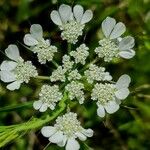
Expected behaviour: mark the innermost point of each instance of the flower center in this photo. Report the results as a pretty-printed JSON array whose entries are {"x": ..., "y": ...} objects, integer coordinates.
[
  {"x": 25, "y": 70},
  {"x": 71, "y": 31},
  {"x": 103, "y": 93},
  {"x": 68, "y": 124},
  {"x": 44, "y": 51},
  {"x": 50, "y": 94},
  {"x": 107, "y": 49}
]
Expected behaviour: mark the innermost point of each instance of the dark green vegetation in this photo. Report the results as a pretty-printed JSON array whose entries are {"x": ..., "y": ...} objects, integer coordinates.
[{"x": 128, "y": 128}]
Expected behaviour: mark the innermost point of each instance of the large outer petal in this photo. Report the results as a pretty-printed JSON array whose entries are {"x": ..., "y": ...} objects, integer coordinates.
[
  {"x": 100, "y": 111},
  {"x": 78, "y": 12},
  {"x": 7, "y": 76},
  {"x": 123, "y": 82},
  {"x": 8, "y": 65},
  {"x": 37, "y": 104},
  {"x": 87, "y": 16},
  {"x": 118, "y": 30},
  {"x": 126, "y": 43},
  {"x": 65, "y": 12},
  {"x": 56, "y": 17},
  {"x": 48, "y": 131},
  {"x": 14, "y": 86},
  {"x": 107, "y": 26},
  {"x": 29, "y": 40},
  {"x": 72, "y": 144},
  {"x": 36, "y": 31},
  {"x": 127, "y": 54},
  {"x": 122, "y": 93},
  {"x": 111, "y": 107},
  {"x": 12, "y": 52},
  {"x": 57, "y": 137}
]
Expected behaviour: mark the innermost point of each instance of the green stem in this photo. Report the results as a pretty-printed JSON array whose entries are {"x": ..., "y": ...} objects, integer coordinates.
[
  {"x": 42, "y": 77},
  {"x": 69, "y": 48},
  {"x": 55, "y": 64}
]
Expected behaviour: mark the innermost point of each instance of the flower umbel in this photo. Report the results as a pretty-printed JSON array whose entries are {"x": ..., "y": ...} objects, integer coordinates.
[
  {"x": 71, "y": 22},
  {"x": 48, "y": 97},
  {"x": 17, "y": 70},
  {"x": 66, "y": 131},
  {"x": 35, "y": 40},
  {"x": 108, "y": 95}
]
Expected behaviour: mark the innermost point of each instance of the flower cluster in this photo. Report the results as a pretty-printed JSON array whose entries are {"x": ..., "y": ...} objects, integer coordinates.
[
  {"x": 71, "y": 22},
  {"x": 113, "y": 45},
  {"x": 48, "y": 97},
  {"x": 77, "y": 77},
  {"x": 35, "y": 40},
  {"x": 66, "y": 130},
  {"x": 17, "y": 70}
]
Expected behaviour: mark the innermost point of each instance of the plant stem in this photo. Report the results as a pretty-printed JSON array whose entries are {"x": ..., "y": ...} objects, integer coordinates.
[
  {"x": 55, "y": 64},
  {"x": 42, "y": 77},
  {"x": 69, "y": 48}
]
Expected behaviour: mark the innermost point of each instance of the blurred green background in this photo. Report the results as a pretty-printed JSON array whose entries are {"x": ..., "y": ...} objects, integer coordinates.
[{"x": 128, "y": 128}]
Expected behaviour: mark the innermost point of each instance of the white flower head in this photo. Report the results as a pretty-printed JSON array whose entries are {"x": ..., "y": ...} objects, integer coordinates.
[
  {"x": 48, "y": 97},
  {"x": 66, "y": 131},
  {"x": 16, "y": 71},
  {"x": 71, "y": 22},
  {"x": 44, "y": 50},
  {"x": 67, "y": 63},
  {"x": 95, "y": 73},
  {"x": 58, "y": 75},
  {"x": 80, "y": 54},
  {"x": 75, "y": 90},
  {"x": 111, "y": 46},
  {"x": 109, "y": 96},
  {"x": 74, "y": 75}
]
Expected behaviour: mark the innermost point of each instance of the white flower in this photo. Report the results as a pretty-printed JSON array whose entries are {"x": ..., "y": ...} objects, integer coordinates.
[
  {"x": 80, "y": 54},
  {"x": 58, "y": 75},
  {"x": 67, "y": 63},
  {"x": 95, "y": 73},
  {"x": 74, "y": 75},
  {"x": 71, "y": 23},
  {"x": 75, "y": 91},
  {"x": 66, "y": 131},
  {"x": 48, "y": 97},
  {"x": 16, "y": 71},
  {"x": 111, "y": 46},
  {"x": 109, "y": 96},
  {"x": 44, "y": 50}
]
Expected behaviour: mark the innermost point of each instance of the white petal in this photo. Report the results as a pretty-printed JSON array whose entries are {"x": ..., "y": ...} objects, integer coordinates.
[
  {"x": 78, "y": 12},
  {"x": 123, "y": 82},
  {"x": 29, "y": 40},
  {"x": 37, "y": 104},
  {"x": 52, "y": 107},
  {"x": 7, "y": 76},
  {"x": 43, "y": 108},
  {"x": 87, "y": 16},
  {"x": 63, "y": 142},
  {"x": 36, "y": 31},
  {"x": 12, "y": 52},
  {"x": 72, "y": 144},
  {"x": 88, "y": 132},
  {"x": 8, "y": 65},
  {"x": 108, "y": 25},
  {"x": 65, "y": 12},
  {"x": 48, "y": 131},
  {"x": 14, "y": 86},
  {"x": 122, "y": 93},
  {"x": 81, "y": 136},
  {"x": 107, "y": 77},
  {"x": 111, "y": 107},
  {"x": 57, "y": 137},
  {"x": 56, "y": 17},
  {"x": 100, "y": 111},
  {"x": 128, "y": 54},
  {"x": 118, "y": 30},
  {"x": 127, "y": 42}
]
